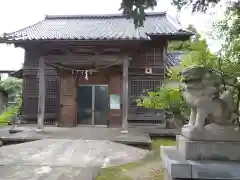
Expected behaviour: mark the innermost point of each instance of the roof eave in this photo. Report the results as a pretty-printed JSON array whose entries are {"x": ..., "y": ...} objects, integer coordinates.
[
  {"x": 17, "y": 74},
  {"x": 4, "y": 41},
  {"x": 174, "y": 36},
  {"x": 66, "y": 40}
]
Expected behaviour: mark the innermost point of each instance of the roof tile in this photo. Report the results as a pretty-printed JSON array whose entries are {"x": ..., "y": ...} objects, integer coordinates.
[
  {"x": 173, "y": 59},
  {"x": 97, "y": 27}
]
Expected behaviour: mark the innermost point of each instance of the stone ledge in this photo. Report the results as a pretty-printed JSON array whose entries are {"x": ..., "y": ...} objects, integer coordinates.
[
  {"x": 219, "y": 170},
  {"x": 177, "y": 167},
  {"x": 208, "y": 150}
]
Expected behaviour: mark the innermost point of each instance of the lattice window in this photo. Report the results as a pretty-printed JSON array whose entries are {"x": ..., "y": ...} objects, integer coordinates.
[
  {"x": 50, "y": 105},
  {"x": 52, "y": 87},
  {"x": 49, "y": 121},
  {"x": 140, "y": 86},
  {"x": 31, "y": 105}
]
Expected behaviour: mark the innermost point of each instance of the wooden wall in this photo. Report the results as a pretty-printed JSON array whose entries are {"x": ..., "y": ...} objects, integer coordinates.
[
  {"x": 138, "y": 81},
  {"x": 30, "y": 89}
]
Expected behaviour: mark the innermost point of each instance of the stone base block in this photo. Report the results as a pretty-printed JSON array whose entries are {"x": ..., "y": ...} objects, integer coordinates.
[
  {"x": 212, "y": 132},
  {"x": 208, "y": 150},
  {"x": 177, "y": 168}
]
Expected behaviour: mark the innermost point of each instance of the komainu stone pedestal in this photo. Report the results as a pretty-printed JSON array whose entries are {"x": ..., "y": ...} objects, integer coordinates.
[
  {"x": 208, "y": 150},
  {"x": 201, "y": 160}
]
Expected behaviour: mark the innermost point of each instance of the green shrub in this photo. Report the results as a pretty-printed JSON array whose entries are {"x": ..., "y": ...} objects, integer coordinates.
[
  {"x": 166, "y": 98},
  {"x": 7, "y": 115},
  {"x": 11, "y": 111},
  {"x": 12, "y": 86}
]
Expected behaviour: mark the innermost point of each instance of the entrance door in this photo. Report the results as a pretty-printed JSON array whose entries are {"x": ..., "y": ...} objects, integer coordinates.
[
  {"x": 84, "y": 104},
  {"x": 92, "y": 101},
  {"x": 100, "y": 105}
]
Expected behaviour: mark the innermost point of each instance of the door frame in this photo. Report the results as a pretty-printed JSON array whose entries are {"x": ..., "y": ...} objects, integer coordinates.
[{"x": 93, "y": 104}]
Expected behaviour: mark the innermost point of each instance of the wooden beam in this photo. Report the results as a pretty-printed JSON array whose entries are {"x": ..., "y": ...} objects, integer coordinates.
[
  {"x": 125, "y": 97},
  {"x": 76, "y": 59},
  {"x": 41, "y": 95}
]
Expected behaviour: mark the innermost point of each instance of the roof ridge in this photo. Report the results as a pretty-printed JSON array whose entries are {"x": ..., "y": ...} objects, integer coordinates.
[{"x": 99, "y": 16}]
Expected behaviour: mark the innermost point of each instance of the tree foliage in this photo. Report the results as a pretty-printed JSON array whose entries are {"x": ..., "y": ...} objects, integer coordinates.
[
  {"x": 168, "y": 97},
  {"x": 226, "y": 62},
  {"x": 136, "y": 8},
  {"x": 196, "y": 52},
  {"x": 229, "y": 30},
  {"x": 11, "y": 111},
  {"x": 12, "y": 86}
]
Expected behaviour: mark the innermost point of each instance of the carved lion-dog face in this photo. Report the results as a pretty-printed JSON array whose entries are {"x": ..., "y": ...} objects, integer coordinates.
[{"x": 194, "y": 73}]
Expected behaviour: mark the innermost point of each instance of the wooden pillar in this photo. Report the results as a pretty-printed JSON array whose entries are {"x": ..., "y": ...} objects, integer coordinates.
[
  {"x": 125, "y": 97},
  {"x": 164, "y": 55},
  {"x": 41, "y": 95}
]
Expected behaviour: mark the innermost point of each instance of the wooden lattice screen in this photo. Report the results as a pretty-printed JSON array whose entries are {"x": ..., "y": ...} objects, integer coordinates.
[
  {"x": 141, "y": 82},
  {"x": 30, "y": 98},
  {"x": 52, "y": 99},
  {"x": 140, "y": 87}
]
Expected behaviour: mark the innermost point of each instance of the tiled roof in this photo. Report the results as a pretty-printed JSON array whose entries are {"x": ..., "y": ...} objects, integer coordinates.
[
  {"x": 173, "y": 59},
  {"x": 17, "y": 74},
  {"x": 97, "y": 27}
]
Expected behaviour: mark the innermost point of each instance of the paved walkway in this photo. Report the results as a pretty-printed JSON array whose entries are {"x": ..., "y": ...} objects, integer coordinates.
[
  {"x": 66, "y": 153},
  {"x": 18, "y": 172},
  {"x": 60, "y": 159},
  {"x": 87, "y": 133}
]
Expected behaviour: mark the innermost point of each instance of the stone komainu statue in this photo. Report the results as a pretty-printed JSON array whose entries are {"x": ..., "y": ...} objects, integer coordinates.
[{"x": 201, "y": 90}]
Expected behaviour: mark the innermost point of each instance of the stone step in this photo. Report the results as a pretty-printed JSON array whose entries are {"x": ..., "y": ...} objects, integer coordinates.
[
  {"x": 208, "y": 150},
  {"x": 177, "y": 168}
]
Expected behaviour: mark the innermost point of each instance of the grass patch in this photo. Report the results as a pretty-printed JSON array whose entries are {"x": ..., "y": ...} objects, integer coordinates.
[
  {"x": 117, "y": 172},
  {"x": 3, "y": 123},
  {"x": 7, "y": 115},
  {"x": 157, "y": 175}
]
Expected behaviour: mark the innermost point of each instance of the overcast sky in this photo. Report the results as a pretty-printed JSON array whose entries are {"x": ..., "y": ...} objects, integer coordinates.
[{"x": 18, "y": 14}]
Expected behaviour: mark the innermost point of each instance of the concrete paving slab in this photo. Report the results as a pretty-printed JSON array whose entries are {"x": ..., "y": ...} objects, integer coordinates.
[
  {"x": 4, "y": 132},
  {"x": 61, "y": 159},
  {"x": 46, "y": 173},
  {"x": 74, "y": 153},
  {"x": 134, "y": 137}
]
